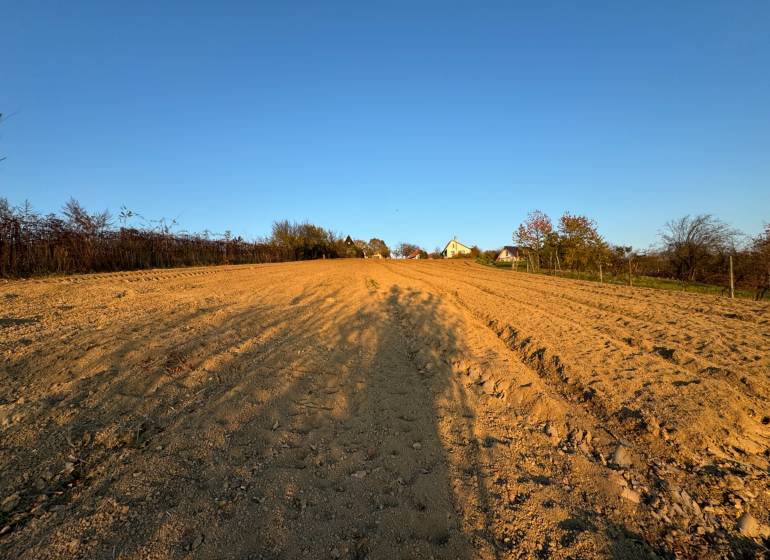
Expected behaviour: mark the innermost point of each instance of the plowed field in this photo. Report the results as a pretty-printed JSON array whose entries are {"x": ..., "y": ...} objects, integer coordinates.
[{"x": 362, "y": 409}]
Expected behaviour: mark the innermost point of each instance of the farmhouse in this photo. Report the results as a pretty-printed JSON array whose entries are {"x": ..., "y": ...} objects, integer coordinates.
[
  {"x": 414, "y": 254},
  {"x": 509, "y": 253},
  {"x": 455, "y": 248},
  {"x": 350, "y": 250}
]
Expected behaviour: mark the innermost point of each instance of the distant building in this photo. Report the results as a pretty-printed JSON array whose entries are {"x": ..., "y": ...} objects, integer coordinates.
[
  {"x": 455, "y": 248},
  {"x": 509, "y": 253},
  {"x": 376, "y": 255},
  {"x": 350, "y": 250},
  {"x": 416, "y": 254}
]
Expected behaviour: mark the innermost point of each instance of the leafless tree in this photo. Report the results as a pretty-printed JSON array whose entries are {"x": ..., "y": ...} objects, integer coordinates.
[
  {"x": 80, "y": 241},
  {"x": 689, "y": 242},
  {"x": 405, "y": 249},
  {"x": 759, "y": 263}
]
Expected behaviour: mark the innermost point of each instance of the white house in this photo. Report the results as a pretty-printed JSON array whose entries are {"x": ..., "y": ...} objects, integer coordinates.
[
  {"x": 455, "y": 248},
  {"x": 509, "y": 253}
]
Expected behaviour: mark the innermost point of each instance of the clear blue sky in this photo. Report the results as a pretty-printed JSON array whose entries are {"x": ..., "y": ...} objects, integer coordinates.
[{"x": 408, "y": 120}]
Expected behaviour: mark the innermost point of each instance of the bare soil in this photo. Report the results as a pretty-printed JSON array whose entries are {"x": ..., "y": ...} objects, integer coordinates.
[{"x": 360, "y": 409}]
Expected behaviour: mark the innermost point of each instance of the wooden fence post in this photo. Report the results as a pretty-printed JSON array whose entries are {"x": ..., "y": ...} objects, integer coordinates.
[
  {"x": 732, "y": 282},
  {"x": 601, "y": 278}
]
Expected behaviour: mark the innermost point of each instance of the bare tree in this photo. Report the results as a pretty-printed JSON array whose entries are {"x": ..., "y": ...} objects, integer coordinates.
[
  {"x": 759, "y": 259},
  {"x": 690, "y": 241},
  {"x": 80, "y": 220},
  {"x": 405, "y": 249}
]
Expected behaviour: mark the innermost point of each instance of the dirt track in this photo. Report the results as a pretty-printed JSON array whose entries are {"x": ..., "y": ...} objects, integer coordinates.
[{"x": 359, "y": 409}]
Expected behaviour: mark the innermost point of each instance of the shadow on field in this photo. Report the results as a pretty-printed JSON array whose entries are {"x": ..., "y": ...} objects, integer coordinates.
[
  {"x": 304, "y": 427},
  {"x": 296, "y": 428}
]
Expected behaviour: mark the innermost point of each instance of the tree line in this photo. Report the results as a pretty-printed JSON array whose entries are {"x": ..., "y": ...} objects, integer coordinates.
[
  {"x": 692, "y": 249},
  {"x": 78, "y": 241}
]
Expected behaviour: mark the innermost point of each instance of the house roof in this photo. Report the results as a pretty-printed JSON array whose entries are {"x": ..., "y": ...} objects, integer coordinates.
[
  {"x": 510, "y": 249},
  {"x": 460, "y": 244},
  {"x": 413, "y": 254}
]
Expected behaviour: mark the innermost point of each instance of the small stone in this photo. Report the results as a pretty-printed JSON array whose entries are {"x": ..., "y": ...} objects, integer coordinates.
[
  {"x": 10, "y": 503},
  {"x": 748, "y": 526},
  {"x": 416, "y": 446},
  {"x": 359, "y": 474},
  {"x": 551, "y": 431},
  {"x": 622, "y": 456},
  {"x": 275, "y": 425},
  {"x": 630, "y": 495}
]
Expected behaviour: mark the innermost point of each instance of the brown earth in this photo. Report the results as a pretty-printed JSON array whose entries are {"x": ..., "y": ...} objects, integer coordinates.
[{"x": 359, "y": 409}]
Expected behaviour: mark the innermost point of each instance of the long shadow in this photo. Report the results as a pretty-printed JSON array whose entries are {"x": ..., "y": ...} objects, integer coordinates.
[
  {"x": 289, "y": 429},
  {"x": 436, "y": 342},
  {"x": 307, "y": 426}
]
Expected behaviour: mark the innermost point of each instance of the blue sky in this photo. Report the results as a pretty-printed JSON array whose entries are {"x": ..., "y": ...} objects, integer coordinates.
[{"x": 410, "y": 121}]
